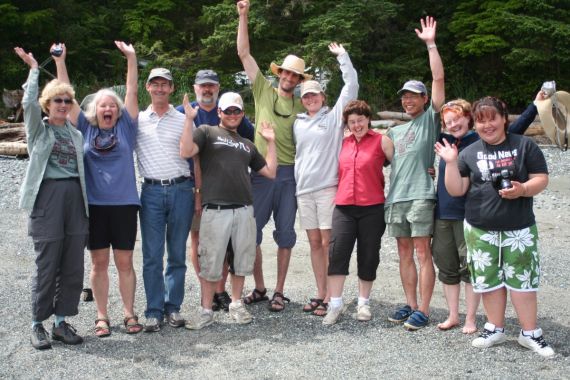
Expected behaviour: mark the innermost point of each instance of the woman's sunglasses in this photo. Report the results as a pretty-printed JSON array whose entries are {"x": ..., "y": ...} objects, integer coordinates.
[{"x": 60, "y": 100}]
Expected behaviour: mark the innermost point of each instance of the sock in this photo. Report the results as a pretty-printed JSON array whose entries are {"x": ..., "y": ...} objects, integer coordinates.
[
  {"x": 34, "y": 323},
  {"x": 363, "y": 301},
  {"x": 207, "y": 311},
  {"x": 500, "y": 329},
  {"x": 533, "y": 333},
  {"x": 58, "y": 320},
  {"x": 336, "y": 302}
]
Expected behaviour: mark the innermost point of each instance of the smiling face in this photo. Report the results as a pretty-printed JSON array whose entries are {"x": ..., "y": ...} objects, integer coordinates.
[
  {"x": 490, "y": 125},
  {"x": 358, "y": 125},
  {"x": 413, "y": 103},
  {"x": 230, "y": 118},
  {"x": 207, "y": 94},
  {"x": 58, "y": 107},
  {"x": 107, "y": 112},
  {"x": 159, "y": 90},
  {"x": 313, "y": 102},
  {"x": 456, "y": 123},
  {"x": 288, "y": 80}
]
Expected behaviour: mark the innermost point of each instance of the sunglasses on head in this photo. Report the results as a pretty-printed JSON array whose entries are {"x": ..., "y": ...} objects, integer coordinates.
[
  {"x": 232, "y": 111},
  {"x": 61, "y": 100},
  {"x": 104, "y": 141}
]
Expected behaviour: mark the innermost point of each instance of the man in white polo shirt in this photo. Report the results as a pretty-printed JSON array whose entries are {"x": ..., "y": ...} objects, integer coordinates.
[{"x": 167, "y": 203}]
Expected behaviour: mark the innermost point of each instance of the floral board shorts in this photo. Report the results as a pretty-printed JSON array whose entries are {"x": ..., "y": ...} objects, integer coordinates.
[{"x": 499, "y": 259}]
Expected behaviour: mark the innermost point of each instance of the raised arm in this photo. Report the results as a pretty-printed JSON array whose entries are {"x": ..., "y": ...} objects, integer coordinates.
[
  {"x": 248, "y": 62},
  {"x": 427, "y": 34},
  {"x": 30, "y": 104},
  {"x": 131, "y": 96},
  {"x": 270, "y": 169},
  {"x": 349, "y": 76},
  {"x": 187, "y": 146},
  {"x": 63, "y": 76},
  {"x": 455, "y": 184}
]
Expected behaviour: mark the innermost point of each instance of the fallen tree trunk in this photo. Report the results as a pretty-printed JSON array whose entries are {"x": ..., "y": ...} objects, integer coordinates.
[
  {"x": 12, "y": 134},
  {"x": 13, "y": 148}
]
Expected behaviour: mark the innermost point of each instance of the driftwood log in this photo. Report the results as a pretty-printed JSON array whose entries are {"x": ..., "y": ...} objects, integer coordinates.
[
  {"x": 390, "y": 119},
  {"x": 13, "y": 149},
  {"x": 13, "y": 139}
]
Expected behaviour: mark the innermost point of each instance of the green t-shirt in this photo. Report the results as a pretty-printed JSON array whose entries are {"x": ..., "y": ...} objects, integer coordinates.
[
  {"x": 413, "y": 155},
  {"x": 62, "y": 162},
  {"x": 266, "y": 100}
]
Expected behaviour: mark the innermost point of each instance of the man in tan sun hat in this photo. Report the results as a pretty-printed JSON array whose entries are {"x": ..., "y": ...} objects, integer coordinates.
[
  {"x": 280, "y": 108},
  {"x": 554, "y": 117}
]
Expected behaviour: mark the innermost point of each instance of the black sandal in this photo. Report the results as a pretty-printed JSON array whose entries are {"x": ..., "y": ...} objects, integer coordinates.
[
  {"x": 279, "y": 300},
  {"x": 256, "y": 296},
  {"x": 312, "y": 305}
]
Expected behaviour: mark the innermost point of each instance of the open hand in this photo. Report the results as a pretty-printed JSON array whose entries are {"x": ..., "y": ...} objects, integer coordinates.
[
  {"x": 28, "y": 58},
  {"x": 267, "y": 131},
  {"x": 127, "y": 49},
  {"x": 429, "y": 26},
  {"x": 336, "y": 49},
  {"x": 189, "y": 111},
  {"x": 448, "y": 152}
]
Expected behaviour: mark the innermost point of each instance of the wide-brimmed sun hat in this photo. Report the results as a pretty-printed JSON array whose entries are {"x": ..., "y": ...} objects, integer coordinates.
[
  {"x": 554, "y": 115},
  {"x": 291, "y": 63}
]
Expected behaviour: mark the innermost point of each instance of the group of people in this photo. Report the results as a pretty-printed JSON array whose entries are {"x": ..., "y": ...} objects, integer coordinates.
[{"x": 208, "y": 170}]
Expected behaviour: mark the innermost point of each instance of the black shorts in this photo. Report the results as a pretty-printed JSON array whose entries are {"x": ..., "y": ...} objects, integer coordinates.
[{"x": 114, "y": 226}]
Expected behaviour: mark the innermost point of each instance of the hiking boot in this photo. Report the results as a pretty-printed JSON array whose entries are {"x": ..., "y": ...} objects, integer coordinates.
[
  {"x": 151, "y": 325},
  {"x": 489, "y": 337},
  {"x": 536, "y": 343},
  {"x": 39, "y": 338},
  {"x": 332, "y": 316},
  {"x": 401, "y": 315},
  {"x": 418, "y": 320},
  {"x": 239, "y": 313},
  {"x": 203, "y": 319},
  {"x": 221, "y": 301},
  {"x": 363, "y": 313},
  {"x": 65, "y": 333},
  {"x": 175, "y": 319}
]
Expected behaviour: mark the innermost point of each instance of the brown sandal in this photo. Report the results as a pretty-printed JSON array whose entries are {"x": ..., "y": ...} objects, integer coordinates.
[
  {"x": 132, "y": 325},
  {"x": 256, "y": 296},
  {"x": 102, "y": 331},
  {"x": 277, "y": 302},
  {"x": 312, "y": 305}
]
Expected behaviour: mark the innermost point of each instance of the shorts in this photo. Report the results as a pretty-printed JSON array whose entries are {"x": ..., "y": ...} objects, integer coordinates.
[
  {"x": 216, "y": 229},
  {"x": 114, "y": 226},
  {"x": 449, "y": 251},
  {"x": 277, "y": 197},
  {"x": 316, "y": 209},
  {"x": 195, "y": 223},
  {"x": 410, "y": 218},
  {"x": 499, "y": 259}
]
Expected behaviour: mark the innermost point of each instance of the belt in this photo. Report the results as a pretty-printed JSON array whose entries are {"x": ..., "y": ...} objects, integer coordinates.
[
  {"x": 166, "y": 182},
  {"x": 222, "y": 207},
  {"x": 63, "y": 179}
]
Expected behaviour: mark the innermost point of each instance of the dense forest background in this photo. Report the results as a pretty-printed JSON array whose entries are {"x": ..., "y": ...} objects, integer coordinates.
[{"x": 502, "y": 48}]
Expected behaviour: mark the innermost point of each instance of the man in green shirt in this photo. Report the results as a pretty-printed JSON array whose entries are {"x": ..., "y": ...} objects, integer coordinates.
[
  {"x": 279, "y": 107},
  {"x": 411, "y": 198}
]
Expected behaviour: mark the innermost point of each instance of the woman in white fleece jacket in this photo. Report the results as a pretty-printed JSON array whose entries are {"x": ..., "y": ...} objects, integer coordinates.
[{"x": 318, "y": 135}]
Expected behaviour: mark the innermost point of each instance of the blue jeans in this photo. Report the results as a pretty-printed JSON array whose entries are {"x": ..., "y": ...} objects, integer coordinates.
[{"x": 166, "y": 212}]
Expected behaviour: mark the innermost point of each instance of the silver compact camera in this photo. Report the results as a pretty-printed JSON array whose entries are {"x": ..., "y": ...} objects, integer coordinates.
[
  {"x": 549, "y": 88},
  {"x": 57, "y": 50}
]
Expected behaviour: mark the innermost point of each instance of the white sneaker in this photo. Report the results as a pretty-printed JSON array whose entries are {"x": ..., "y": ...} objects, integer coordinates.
[
  {"x": 201, "y": 320},
  {"x": 489, "y": 337},
  {"x": 239, "y": 313},
  {"x": 363, "y": 313},
  {"x": 536, "y": 343},
  {"x": 332, "y": 315}
]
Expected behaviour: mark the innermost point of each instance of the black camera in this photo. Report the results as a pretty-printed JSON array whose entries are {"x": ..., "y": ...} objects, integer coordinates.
[
  {"x": 57, "y": 50},
  {"x": 502, "y": 179}
]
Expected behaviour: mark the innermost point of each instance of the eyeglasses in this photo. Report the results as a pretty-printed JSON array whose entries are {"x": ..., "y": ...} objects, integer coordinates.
[
  {"x": 275, "y": 107},
  {"x": 61, "y": 100},
  {"x": 411, "y": 97},
  {"x": 232, "y": 111},
  {"x": 104, "y": 140}
]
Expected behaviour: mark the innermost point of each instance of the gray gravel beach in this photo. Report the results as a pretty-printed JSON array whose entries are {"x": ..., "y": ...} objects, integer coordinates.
[{"x": 290, "y": 344}]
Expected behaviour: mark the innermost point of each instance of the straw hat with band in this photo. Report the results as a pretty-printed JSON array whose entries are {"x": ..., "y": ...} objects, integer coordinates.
[
  {"x": 291, "y": 63},
  {"x": 554, "y": 116}
]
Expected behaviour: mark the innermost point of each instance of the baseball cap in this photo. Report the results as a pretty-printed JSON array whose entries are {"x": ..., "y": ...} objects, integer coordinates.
[
  {"x": 310, "y": 86},
  {"x": 414, "y": 86},
  {"x": 159, "y": 72},
  {"x": 206, "y": 76},
  {"x": 230, "y": 99}
]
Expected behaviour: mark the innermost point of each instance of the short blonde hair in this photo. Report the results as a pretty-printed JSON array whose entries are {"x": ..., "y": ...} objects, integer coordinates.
[
  {"x": 53, "y": 88},
  {"x": 91, "y": 110}
]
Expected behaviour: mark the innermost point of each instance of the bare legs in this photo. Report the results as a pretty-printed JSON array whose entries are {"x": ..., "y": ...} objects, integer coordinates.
[
  {"x": 472, "y": 299},
  {"x": 319, "y": 244}
]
